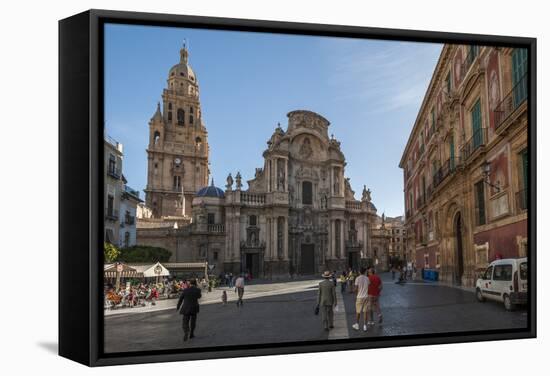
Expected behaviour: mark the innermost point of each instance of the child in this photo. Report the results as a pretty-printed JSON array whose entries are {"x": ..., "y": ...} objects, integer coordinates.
[{"x": 224, "y": 297}]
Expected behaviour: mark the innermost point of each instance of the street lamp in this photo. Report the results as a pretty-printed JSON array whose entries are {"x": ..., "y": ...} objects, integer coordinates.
[{"x": 486, "y": 171}]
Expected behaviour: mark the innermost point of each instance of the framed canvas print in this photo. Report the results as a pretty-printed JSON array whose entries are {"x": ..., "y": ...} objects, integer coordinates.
[{"x": 234, "y": 188}]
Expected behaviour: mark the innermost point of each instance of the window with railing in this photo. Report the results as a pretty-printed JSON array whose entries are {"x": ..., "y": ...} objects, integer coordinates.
[
  {"x": 432, "y": 128},
  {"x": 518, "y": 94},
  {"x": 521, "y": 195},
  {"x": 479, "y": 191}
]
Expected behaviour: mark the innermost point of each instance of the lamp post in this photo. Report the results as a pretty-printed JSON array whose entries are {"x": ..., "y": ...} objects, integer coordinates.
[{"x": 486, "y": 172}]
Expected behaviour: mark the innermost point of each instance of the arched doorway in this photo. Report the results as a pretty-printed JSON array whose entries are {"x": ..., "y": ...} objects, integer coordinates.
[{"x": 459, "y": 266}]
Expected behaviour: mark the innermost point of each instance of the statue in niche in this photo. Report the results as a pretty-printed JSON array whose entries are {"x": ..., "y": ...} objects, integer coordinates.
[
  {"x": 229, "y": 184},
  {"x": 281, "y": 175},
  {"x": 366, "y": 194},
  {"x": 252, "y": 238},
  {"x": 238, "y": 181},
  {"x": 305, "y": 150},
  {"x": 324, "y": 201},
  {"x": 323, "y": 174}
]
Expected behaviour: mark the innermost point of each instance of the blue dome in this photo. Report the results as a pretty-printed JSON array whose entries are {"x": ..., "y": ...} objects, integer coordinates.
[{"x": 210, "y": 191}]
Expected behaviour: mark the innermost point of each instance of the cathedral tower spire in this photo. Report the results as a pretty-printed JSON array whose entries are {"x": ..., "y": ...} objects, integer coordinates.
[{"x": 178, "y": 144}]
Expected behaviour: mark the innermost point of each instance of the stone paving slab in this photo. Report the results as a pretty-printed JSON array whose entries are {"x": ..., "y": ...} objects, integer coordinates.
[{"x": 412, "y": 308}]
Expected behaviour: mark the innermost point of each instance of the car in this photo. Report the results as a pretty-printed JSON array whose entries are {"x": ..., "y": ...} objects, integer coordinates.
[{"x": 505, "y": 281}]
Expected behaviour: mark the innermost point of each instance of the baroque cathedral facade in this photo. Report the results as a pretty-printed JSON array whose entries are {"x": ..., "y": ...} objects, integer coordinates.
[{"x": 298, "y": 215}]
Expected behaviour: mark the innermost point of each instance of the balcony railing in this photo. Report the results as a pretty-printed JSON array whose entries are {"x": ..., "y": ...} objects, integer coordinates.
[
  {"x": 511, "y": 102},
  {"x": 420, "y": 201},
  {"x": 478, "y": 139},
  {"x": 468, "y": 61},
  {"x": 111, "y": 214},
  {"x": 353, "y": 205},
  {"x": 429, "y": 192},
  {"x": 252, "y": 199},
  {"x": 219, "y": 228},
  {"x": 446, "y": 169},
  {"x": 114, "y": 172},
  {"x": 421, "y": 150},
  {"x": 521, "y": 199}
]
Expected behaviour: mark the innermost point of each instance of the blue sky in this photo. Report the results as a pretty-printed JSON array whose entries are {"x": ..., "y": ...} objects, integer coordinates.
[{"x": 369, "y": 90}]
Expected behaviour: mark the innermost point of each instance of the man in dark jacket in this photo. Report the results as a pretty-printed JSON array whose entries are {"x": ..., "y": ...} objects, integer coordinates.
[
  {"x": 326, "y": 300},
  {"x": 189, "y": 309}
]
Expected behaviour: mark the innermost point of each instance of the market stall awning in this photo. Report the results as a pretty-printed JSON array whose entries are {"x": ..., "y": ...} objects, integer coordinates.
[
  {"x": 151, "y": 270},
  {"x": 126, "y": 271},
  {"x": 186, "y": 266}
]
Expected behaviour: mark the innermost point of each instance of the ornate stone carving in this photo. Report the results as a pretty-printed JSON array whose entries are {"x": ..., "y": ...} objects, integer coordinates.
[
  {"x": 281, "y": 175},
  {"x": 306, "y": 150},
  {"x": 229, "y": 184},
  {"x": 238, "y": 181},
  {"x": 366, "y": 194}
]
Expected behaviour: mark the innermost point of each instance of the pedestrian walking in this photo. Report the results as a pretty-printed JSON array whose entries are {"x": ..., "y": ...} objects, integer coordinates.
[
  {"x": 392, "y": 273},
  {"x": 373, "y": 301},
  {"x": 343, "y": 282},
  {"x": 239, "y": 289},
  {"x": 326, "y": 301},
  {"x": 188, "y": 306},
  {"x": 224, "y": 297},
  {"x": 361, "y": 300}
]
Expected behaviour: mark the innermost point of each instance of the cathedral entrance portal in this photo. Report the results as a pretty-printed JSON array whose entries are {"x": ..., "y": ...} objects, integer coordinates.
[
  {"x": 307, "y": 259},
  {"x": 252, "y": 264},
  {"x": 353, "y": 260}
]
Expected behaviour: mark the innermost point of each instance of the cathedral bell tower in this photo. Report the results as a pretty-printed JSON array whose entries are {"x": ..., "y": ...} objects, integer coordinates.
[{"x": 177, "y": 154}]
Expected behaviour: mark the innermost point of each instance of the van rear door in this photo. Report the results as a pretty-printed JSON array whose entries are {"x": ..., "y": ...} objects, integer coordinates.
[{"x": 522, "y": 283}]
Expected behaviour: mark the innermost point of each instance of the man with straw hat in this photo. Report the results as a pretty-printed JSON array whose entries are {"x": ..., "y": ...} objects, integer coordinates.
[{"x": 326, "y": 301}]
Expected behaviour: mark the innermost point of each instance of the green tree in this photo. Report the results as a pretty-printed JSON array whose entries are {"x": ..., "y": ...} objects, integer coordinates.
[
  {"x": 110, "y": 252},
  {"x": 144, "y": 254}
]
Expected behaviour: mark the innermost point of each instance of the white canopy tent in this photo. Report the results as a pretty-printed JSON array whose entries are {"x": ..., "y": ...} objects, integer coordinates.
[{"x": 151, "y": 270}]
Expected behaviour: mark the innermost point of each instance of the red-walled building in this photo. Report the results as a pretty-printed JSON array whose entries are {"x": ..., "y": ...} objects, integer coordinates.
[{"x": 466, "y": 161}]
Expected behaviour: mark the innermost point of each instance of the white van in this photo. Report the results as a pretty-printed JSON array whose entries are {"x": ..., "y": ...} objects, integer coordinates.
[{"x": 504, "y": 281}]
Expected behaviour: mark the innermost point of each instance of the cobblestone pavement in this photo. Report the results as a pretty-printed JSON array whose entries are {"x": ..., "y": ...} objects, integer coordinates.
[{"x": 287, "y": 316}]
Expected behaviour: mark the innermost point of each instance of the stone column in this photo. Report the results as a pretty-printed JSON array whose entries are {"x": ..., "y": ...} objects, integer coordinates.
[
  {"x": 286, "y": 175},
  {"x": 285, "y": 239},
  {"x": 268, "y": 173},
  {"x": 332, "y": 239},
  {"x": 274, "y": 238},
  {"x": 342, "y": 241},
  {"x": 268, "y": 239}
]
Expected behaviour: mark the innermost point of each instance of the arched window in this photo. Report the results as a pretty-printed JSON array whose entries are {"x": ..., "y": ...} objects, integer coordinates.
[
  {"x": 156, "y": 137},
  {"x": 181, "y": 116},
  {"x": 307, "y": 193}
]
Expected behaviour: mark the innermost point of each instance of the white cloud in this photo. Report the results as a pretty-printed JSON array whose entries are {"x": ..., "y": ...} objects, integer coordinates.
[{"x": 385, "y": 76}]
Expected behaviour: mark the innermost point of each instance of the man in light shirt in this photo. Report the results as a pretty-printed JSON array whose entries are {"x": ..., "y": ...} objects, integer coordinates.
[
  {"x": 239, "y": 288},
  {"x": 361, "y": 289}
]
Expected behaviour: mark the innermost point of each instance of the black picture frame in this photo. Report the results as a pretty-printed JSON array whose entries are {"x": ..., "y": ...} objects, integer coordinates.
[{"x": 80, "y": 180}]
